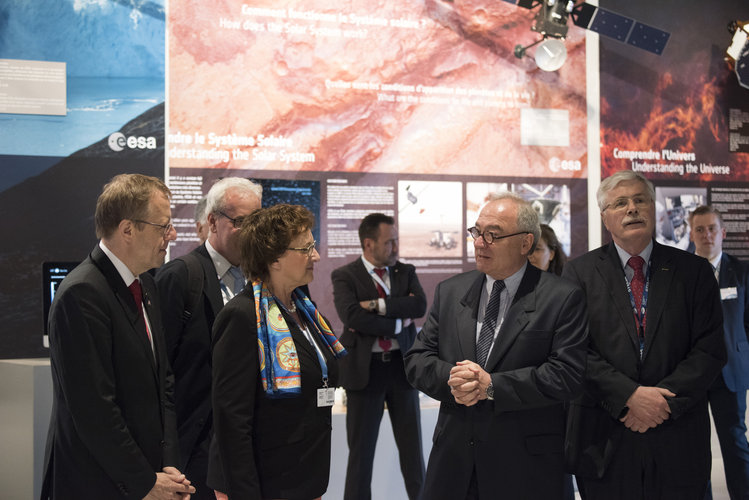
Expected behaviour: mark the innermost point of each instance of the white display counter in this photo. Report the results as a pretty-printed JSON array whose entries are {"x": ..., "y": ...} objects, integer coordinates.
[{"x": 26, "y": 404}]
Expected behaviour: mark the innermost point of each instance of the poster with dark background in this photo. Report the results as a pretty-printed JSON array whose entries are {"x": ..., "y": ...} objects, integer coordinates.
[{"x": 52, "y": 168}]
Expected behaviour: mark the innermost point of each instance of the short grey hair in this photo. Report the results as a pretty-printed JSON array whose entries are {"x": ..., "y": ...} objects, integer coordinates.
[
  {"x": 200, "y": 212},
  {"x": 615, "y": 179},
  {"x": 215, "y": 198},
  {"x": 527, "y": 219}
]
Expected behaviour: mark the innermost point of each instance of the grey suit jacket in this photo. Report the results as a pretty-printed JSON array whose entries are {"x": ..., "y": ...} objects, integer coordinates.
[{"x": 537, "y": 363}]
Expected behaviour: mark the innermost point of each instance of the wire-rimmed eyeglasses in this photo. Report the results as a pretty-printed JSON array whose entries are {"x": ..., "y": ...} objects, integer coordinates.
[
  {"x": 621, "y": 204},
  {"x": 166, "y": 227},
  {"x": 308, "y": 250}
]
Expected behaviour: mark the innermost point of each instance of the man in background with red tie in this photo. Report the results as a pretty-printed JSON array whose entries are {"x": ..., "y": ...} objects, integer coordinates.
[
  {"x": 112, "y": 431},
  {"x": 377, "y": 298},
  {"x": 727, "y": 395},
  {"x": 641, "y": 430},
  {"x": 503, "y": 349}
]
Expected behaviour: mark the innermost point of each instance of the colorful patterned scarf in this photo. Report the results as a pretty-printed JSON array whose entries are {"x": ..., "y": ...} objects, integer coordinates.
[{"x": 279, "y": 362}]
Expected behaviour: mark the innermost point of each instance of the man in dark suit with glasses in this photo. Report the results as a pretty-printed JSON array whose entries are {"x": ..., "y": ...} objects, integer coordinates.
[
  {"x": 193, "y": 289},
  {"x": 503, "y": 349},
  {"x": 112, "y": 432}
]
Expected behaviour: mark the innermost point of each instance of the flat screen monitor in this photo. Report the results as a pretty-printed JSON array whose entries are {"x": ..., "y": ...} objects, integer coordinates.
[{"x": 52, "y": 275}]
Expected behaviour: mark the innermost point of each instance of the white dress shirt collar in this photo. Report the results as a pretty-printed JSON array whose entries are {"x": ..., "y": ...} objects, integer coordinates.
[
  {"x": 645, "y": 254},
  {"x": 127, "y": 276},
  {"x": 220, "y": 262}
]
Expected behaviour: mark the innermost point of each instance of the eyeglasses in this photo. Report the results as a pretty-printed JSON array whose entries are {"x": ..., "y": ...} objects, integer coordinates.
[
  {"x": 235, "y": 221},
  {"x": 166, "y": 227},
  {"x": 621, "y": 204},
  {"x": 309, "y": 249},
  {"x": 490, "y": 237}
]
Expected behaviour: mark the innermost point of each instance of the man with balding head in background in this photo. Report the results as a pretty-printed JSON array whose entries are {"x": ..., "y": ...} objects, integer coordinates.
[{"x": 193, "y": 290}]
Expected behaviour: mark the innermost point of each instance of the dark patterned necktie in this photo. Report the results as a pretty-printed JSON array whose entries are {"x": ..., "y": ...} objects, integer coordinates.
[{"x": 486, "y": 336}]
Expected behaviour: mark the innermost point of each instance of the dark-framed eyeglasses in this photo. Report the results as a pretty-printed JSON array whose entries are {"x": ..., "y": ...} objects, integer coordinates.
[
  {"x": 235, "y": 221},
  {"x": 490, "y": 237},
  {"x": 165, "y": 227},
  {"x": 308, "y": 250}
]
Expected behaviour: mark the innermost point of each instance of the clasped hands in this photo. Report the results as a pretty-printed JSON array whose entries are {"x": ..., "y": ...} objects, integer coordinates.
[
  {"x": 170, "y": 484},
  {"x": 648, "y": 408},
  {"x": 468, "y": 382}
]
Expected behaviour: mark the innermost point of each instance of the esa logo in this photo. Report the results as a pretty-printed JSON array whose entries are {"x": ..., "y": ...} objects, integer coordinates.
[
  {"x": 118, "y": 142},
  {"x": 555, "y": 164}
]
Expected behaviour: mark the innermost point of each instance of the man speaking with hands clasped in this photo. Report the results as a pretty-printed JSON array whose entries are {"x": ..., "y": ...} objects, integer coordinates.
[{"x": 502, "y": 349}]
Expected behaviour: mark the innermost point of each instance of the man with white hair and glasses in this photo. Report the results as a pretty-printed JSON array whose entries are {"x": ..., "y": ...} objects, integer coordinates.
[
  {"x": 193, "y": 289},
  {"x": 641, "y": 429}
]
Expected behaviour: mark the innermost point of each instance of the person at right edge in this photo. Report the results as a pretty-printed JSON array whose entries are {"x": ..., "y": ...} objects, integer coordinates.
[
  {"x": 727, "y": 395},
  {"x": 641, "y": 429}
]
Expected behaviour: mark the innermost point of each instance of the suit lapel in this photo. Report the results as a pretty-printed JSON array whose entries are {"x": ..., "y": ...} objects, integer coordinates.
[
  {"x": 211, "y": 285},
  {"x": 126, "y": 301},
  {"x": 363, "y": 277},
  {"x": 516, "y": 318},
  {"x": 610, "y": 269},
  {"x": 398, "y": 281},
  {"x": 466, "y": 318},
  {"x": 726, "y": 275},
  {"x": 154, "y": 317},
  {"x": 661, "y": 275}
]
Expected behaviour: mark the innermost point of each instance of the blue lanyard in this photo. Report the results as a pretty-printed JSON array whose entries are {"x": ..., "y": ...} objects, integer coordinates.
[
  {"x": 309, "y": 336},
  {"x": 640, "y": 315}
]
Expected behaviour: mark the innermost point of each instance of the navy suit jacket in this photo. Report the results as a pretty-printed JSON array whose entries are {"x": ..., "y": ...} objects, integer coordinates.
[
  {"x": 735, "y": 275},
  {"x": 352, "y": 284},
  {"x": 514, "y": 443},
  {"x": 188, "y": 342},
  {"x": 113, "y": 424},
  {"x": 684, "y": 352}
]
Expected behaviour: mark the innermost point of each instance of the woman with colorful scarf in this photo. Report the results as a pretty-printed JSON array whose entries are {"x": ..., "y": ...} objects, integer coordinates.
[{"x": 274, "y": 368}]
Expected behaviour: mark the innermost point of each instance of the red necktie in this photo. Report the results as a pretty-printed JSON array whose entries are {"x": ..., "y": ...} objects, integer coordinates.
[
  {"x": 384, "y": 342},
  {"x": 638, "y": 285},
  {"x": 137, "y": 292}
]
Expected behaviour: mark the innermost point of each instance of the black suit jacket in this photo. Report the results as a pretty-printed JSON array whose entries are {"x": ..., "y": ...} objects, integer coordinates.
[
  {"x": 188, "y": 342},
  {"x": 265, "y": 448},
  {"x": 113, "y": 424},
  {"x": 734, "y": 276},
  {"x": 684, "y": 351},
  {"x": 515, "y": 442},
  {"x": 352, "y": 284}
]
